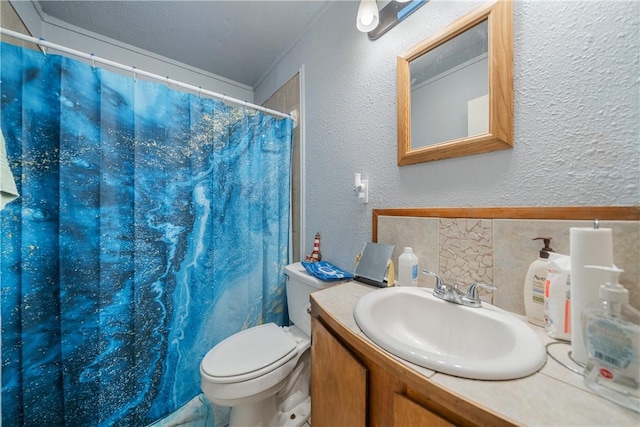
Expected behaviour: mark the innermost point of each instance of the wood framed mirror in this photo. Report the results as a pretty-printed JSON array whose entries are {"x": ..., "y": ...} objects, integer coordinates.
[{"x": 455, "y": 89}]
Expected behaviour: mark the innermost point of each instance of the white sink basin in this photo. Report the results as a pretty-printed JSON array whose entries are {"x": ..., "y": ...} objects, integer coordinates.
[{"x": 480, "y": 343}]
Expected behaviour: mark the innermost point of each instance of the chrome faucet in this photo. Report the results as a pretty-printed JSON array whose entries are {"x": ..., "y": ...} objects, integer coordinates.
[{"x": 451, "y": 293}]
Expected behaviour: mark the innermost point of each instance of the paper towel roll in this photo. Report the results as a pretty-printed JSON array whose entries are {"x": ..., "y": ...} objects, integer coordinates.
[{"x": 588, "y": 246}]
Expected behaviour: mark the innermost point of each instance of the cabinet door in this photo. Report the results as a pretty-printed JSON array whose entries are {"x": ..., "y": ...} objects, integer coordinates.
[
  {"x": 338, "y": 382},
  {"x": 406, "y": 412}
]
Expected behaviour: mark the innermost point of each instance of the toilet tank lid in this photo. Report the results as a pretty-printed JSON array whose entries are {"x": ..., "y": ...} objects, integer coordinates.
[
  {"x": 250, "y": 350},
  {"x": 298, "y": 272}
]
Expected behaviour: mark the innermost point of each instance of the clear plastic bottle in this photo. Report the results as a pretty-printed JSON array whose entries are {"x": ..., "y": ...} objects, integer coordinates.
[
  {"x": 611, "y": 331},
  {"x": 408, "y": 268}
]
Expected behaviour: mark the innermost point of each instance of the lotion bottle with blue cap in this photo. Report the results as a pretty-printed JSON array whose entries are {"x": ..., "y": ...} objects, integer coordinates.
[{"x": 611, "y": 331}]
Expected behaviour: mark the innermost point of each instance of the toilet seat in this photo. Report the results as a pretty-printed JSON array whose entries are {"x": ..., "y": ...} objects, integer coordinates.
[{"x": 249, "y": 354}]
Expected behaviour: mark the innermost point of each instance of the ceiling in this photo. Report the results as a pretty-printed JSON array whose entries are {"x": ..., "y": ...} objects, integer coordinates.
[{"x": 239, "y": 40}]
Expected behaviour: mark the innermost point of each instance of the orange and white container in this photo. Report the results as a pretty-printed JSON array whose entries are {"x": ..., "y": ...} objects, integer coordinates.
[{"x": 557, "y": 297}]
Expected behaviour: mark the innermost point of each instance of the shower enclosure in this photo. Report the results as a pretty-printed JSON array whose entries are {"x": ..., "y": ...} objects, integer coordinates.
[{"x": 152, "y": 224}]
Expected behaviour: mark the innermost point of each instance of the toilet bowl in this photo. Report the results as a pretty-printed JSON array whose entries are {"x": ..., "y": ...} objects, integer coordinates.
[{"x": 263, "y": 372}]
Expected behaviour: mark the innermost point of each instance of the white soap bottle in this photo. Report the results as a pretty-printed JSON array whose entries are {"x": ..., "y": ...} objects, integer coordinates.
[
  {"x": 408, "y": 268},
  {"x": 611, "y": 330},
  {"x": 534, "y": 285}
]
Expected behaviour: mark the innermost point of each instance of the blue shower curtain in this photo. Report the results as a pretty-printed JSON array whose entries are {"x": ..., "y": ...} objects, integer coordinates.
[{"x": 152, "y": 224}]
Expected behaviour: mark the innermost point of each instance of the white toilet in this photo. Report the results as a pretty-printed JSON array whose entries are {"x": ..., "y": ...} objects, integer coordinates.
[{"x": 263, "y": 372}]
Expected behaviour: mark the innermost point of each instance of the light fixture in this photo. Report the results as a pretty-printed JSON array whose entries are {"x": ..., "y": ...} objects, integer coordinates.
[
  {"x": 391, "y": 15},
  {"x": 368, "y": 16}
]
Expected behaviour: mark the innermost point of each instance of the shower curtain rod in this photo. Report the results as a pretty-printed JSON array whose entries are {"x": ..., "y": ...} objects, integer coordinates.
[{"x": 135, "y": 71}]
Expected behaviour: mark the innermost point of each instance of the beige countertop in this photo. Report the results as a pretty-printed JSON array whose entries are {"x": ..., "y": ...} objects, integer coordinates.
[{"x": 554, "y": 396}]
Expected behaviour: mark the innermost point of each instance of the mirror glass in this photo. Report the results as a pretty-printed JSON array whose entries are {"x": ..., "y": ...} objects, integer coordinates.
[
  {"x": 455, "y": 89},
  {"x": 450, "y": 89}
]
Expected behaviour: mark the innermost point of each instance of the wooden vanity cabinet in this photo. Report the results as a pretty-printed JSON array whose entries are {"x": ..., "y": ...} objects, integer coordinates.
[
  {"x": 406, "y": 412},
  {"x": 338, "y": 382},
  {"x": 354, "y": 384}
]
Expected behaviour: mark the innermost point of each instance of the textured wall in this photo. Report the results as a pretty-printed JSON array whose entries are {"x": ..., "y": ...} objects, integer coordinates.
[{"x": 576, "y": 130}]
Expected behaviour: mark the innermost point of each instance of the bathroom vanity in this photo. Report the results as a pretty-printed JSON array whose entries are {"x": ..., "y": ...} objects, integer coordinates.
[{"x": 356, "y": 383}]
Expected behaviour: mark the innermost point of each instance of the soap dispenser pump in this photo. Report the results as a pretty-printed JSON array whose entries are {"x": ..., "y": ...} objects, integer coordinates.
[
  {"x": 611, "y": 330},
  {"x": 534, "y": 285}
]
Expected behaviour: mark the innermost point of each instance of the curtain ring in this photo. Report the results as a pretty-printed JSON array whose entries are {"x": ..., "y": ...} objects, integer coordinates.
[
  {"x": 44, "y": 48},
  {"x": 200, "y": 92},
  {"x": 135, "y": 74},
  {"x": 93, "y": 61}
]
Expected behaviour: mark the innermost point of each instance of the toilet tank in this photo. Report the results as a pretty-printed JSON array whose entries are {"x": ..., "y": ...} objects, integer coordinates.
[{"x": 299, "y": 286}]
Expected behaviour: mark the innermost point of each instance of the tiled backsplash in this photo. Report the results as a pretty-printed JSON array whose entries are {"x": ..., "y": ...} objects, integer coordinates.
[
  {"x": 499, "y": 251},
  {"x": 466, "y": 250}
]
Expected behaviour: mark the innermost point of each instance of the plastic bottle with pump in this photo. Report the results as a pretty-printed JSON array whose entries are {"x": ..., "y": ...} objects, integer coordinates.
[
  {"x": 611, "y": 330},
  {"x": 534, "y": 285},
  {"x": 408, "y": 268}
]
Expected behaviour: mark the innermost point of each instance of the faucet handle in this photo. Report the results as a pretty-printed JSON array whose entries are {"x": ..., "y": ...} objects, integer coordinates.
[
  {"x": 472, "y": 291},
  {"x": 439, "y": 282}
]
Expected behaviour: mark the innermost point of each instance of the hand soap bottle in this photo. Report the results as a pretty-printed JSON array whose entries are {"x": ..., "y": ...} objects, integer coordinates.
[
  {"x": 611, "y": 331},
  {"x": 534, "y": 285},
  {"x": 408, "y": 268}
]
